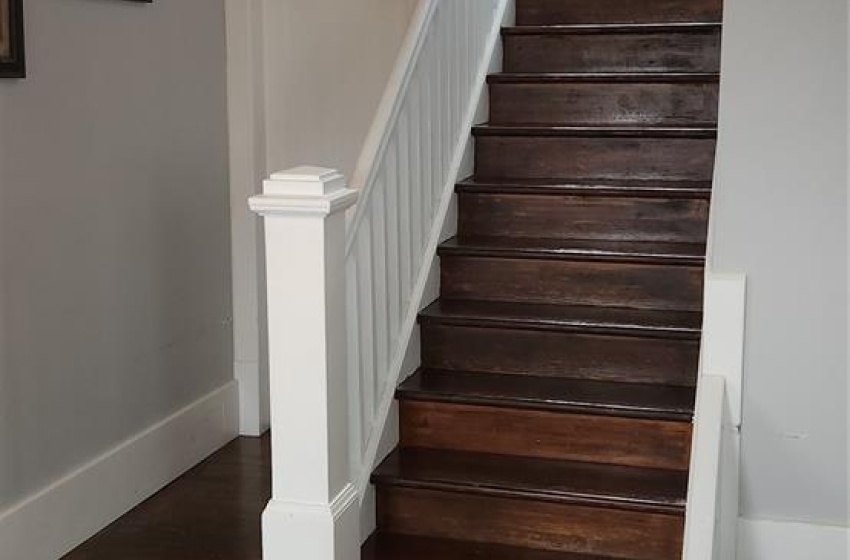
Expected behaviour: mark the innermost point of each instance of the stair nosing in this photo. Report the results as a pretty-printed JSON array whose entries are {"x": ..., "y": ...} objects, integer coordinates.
[
  {"x": 380, "y": 536},
  {"x": 530, "y": 403},
  {"x": 613, "y": 28},
  {"x": 598, "y": 131},
  {"x": 540, "y": 495},
  {"x": 565, "y": 325},
  {"x": 508, "y": 78},
  {"x": 464, "y": 248},
  {"x": 597, "y": 188}
]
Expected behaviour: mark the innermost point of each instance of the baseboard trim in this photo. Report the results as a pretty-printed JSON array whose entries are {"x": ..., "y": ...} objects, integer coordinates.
[
  {"x": 63, "y": 515},
  {"x": 780, "y": 540}
]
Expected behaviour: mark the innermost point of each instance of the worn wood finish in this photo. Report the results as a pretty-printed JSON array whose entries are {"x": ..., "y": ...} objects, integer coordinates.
[
  {"x": 590, "y": 250},
  {"x": 558, "y": 99},
  {"x": 525, "y": 153},
  {"x": 553, "y": 12},
  {"x": 532, "y": 524},
  {"x": 577, "y": 483},
  {"x": 601, "y": 187},
  {"x": 581, "y": 48},
  {"x": 631, "y": 400},
  {"x": 211, "y": 512},
  {"x": 551, "y": 417},
  {"x": 581, "y": 319},
  {"x": 543, "y": 434},
  {"x": 387, "y": 546},
  {"x": 515, "y": 213},
  {"x": 541, "y": 279},
  {"x": 561, "y": 354}
]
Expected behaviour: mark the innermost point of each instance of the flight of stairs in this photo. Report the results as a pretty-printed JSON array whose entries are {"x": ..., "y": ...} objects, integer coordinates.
[{"x": 551, "y": 417}]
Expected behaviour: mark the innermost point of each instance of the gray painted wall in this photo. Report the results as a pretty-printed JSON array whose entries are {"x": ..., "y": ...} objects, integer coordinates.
[
  {"x": 327, "y": 66},
  {"x": 114, "y": 236},
  {"x": 780, "y": 215}
]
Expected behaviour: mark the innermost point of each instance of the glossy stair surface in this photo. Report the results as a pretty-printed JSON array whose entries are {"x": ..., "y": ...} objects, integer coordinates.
[{"x": 551, "y": 416}]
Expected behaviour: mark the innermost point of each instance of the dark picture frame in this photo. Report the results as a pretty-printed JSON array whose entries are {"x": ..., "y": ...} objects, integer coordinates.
[{"x": 12, "y": 59}]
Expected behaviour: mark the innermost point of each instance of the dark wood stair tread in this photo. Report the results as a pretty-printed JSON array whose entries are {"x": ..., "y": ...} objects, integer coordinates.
[
  {"x": 403, "y": 547},
  {"x": 662, "y": 402},
  {"x": 601, "y": 485},
  {"x": 597, "y": 131},
  {"x": 605, "y": 28},
  {"x": 659, "y": 252},
  {"x": 570, "y": 318},
  {"x": 598, "y": 187},
  {"x": 580, "y": 77}
]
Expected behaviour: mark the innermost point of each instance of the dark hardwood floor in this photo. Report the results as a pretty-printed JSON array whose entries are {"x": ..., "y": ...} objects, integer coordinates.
[{"x": 210, "y": 513}]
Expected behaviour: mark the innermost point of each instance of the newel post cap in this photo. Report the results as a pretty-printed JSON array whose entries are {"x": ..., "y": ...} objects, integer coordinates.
[{"x": 304, "y": 190}]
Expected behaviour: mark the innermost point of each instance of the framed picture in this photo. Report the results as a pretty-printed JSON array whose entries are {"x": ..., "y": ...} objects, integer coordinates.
[{"x": 12, "y": 39}]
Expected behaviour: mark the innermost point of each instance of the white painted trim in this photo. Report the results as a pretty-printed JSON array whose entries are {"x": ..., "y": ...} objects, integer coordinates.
[
  {"x": 74, "y": 508},
  {"x": 713, "y": 487},
  {"x": 246, "y": 108},
  {"x": 313, "y": 530},
  {"x": 781, "y": 540},
  {"x": 435, "y": 237},
  {"x": 705, "y": 471},
  {"x": 723, "y": 329},
  {"x": 313, "y": 511}
]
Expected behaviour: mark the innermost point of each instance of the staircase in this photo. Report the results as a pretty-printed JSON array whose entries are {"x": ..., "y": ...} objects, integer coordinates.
[{"x": 551, "y": 417}]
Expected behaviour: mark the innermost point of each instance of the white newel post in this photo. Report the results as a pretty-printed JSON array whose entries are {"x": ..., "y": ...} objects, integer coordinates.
[{"x": 313, "y": 513}]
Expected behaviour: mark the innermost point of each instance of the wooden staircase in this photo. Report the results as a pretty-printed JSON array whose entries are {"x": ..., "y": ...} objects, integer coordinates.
[{"x": 551, "y": 418}]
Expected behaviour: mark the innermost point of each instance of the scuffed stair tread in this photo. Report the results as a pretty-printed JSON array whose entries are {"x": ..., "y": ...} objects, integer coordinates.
[
  {"x": 403, "y": 547},
  {"x": 605, "y": 28},
  {"x": 578, "y": 77},
  {"x": 601, "y": 485},
  {"x": 597, "y": 131},
  {"x": 581, "y": 318},
  {"x": 658, "y": 402},
  {"x": 577, "y": 249},
  {"x": 601, "y": 187}
]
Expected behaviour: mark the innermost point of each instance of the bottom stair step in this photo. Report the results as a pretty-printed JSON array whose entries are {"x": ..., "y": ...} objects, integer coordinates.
[
  {"x": 588, "y": 484},
  {"x": 399, "y": 547}
]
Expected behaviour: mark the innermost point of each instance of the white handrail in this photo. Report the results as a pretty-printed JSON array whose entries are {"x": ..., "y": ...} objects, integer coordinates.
[{"x": 406, "y": 176}]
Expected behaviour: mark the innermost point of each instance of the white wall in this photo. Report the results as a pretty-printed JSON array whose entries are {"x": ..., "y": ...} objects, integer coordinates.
[
  {"x": 780, "y": 216},
  {"x": 327, "y": 64},
  {"x": 305, "y": 81},
  {"x": 114, "y": 239}
]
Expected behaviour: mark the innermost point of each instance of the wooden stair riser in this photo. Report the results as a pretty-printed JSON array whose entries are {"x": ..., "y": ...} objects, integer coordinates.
[
  {"x": 613, "y": 52},
  {"x": 535, "y": 280},
  {"x": 538, "y": 525},
  {"x": 545, "y": 434},
  {"x": 582, "y": 217},
  {"x": 560, "y": 354},
  {"x": 603, "y": 103},
  {"x": 553, "y": 409},
  {"x": 554, "y": 12},
  {"x": 545, "y": 157}
]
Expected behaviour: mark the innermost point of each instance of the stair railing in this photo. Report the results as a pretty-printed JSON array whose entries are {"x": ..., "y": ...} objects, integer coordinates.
[
  {"x": 344, "y": 291},
  {"x": 406, "y": 176}
]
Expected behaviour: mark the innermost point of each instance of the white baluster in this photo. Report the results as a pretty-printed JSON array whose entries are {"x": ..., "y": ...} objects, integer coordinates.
[{"x": 314, "y": 512}]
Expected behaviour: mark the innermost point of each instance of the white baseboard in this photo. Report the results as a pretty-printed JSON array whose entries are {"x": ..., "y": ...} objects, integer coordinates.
[
  {"x": 779, "y": 540},
  {"x": 61, "y": 516}
]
